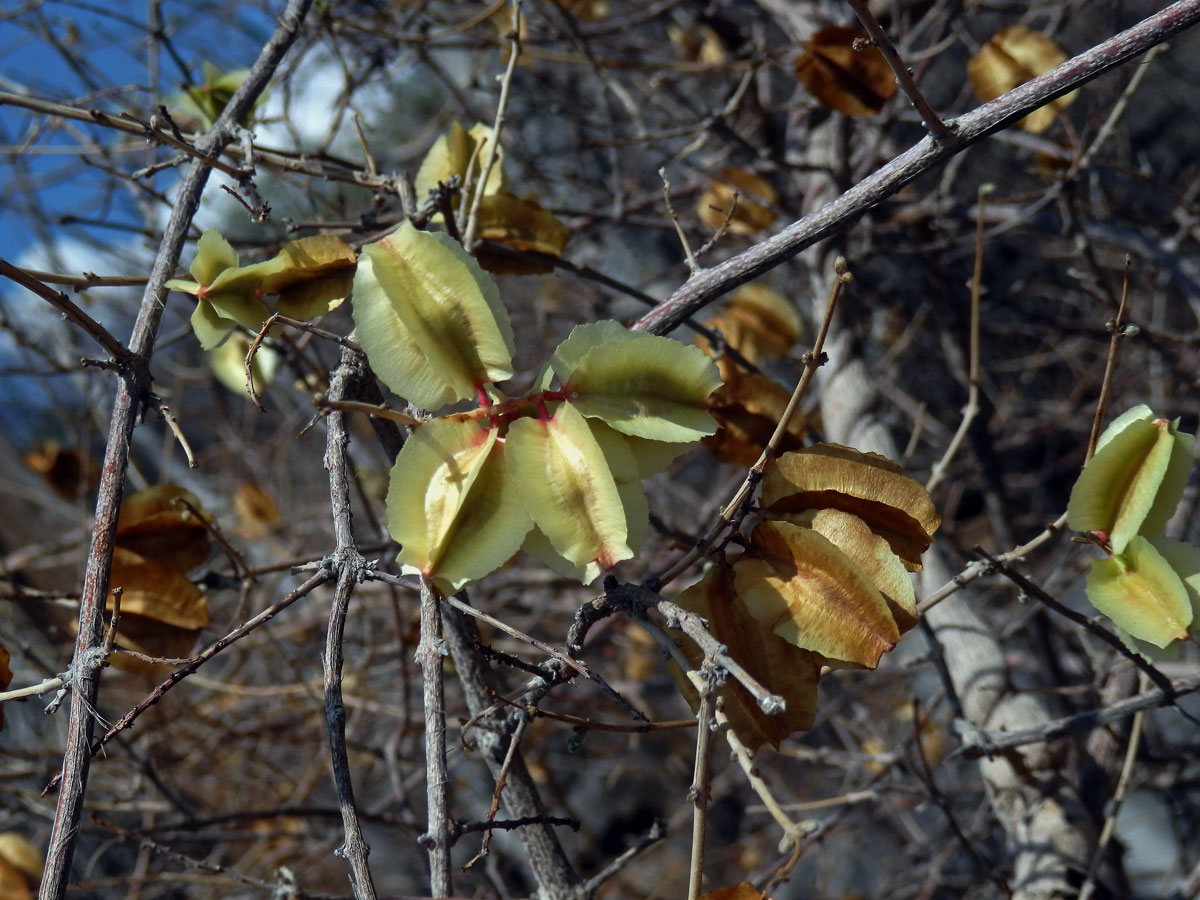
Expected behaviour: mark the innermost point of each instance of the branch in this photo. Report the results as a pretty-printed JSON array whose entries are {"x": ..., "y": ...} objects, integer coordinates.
[
  {"x": 979, "y": 743},
  {"x": 556, "y": 877},
  {"x": 350, "y": 566},
  {"x": 430, "y": 652},
  {"x": 70, "y": 311},
  {"x": 85, "y": 680}
]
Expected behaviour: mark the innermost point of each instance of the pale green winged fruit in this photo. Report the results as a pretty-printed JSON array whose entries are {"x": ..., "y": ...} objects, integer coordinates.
[
  {"x": 430, "y": 319},
  {"x": 1134, "y": 481},
  {"x": 1143, "y": 593},
  {"x": 626, "y": 467},
  {"x": 312, "y": 275},
  {"x": 569, "y": 489},
  {"x": 227, "y": 295},
  {"x": 583, "y": 338},
  {"x": 639, "y": 384},
  {"x": 1184, "y": 560},
  {"x": 452, "y": 504},
  {"x": 228, "y": 364}
]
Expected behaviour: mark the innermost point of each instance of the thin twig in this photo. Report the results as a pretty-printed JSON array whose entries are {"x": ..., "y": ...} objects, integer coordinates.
[
  {"x": 63, "y": 304},
  {"x": 431, "y": 651},
  {"x": 705, "y": 684},
  {"x": 513, "y": 742},
  {"x": 943, "y": 803},
  {"x": 971, "y": 410},
  {"x": 33, "y": 690},
  {"x": 976, "y": 569},
  {"x": 978, "y": 743},
  {"x": 694, "y": 627},
  {"x": 87, "y": 280},
  {"x": 461, "y": 828},
  {"x": 1116, "y": 332},
  {"x": 374, "y": 410},
  {"x": 1118, "y": 110},
  {"x": 173, "y": 423},
  {"x": 936, "y": 127},
  {"x": 557, "y": 654},
  {"x": 793, "y": 833},
  {"x": 493, "y": 150},
  {"x": 722, "y": 228},
  {"x": 276, "y": 318},
  {"x": 745, "y": 492},
  {"x": 284, "y": 161},
  {"x": 693, "y": 266},
  {"x": 209, "y": 652},
  {"x": 202, "y": 865},
  {"x": 214, "y": 531},
  {"x": 114, "y": 622},
  {"x": 349, "y": 564},
  {"x": 1113, "y": 807},
  {"x": 582, "y": 723},
  {"x": 555, "y": 875},
  {"x": 362, "y": 140},
  {"x": 1160, "y": 680},
  {"x": 656, "y": 833}
]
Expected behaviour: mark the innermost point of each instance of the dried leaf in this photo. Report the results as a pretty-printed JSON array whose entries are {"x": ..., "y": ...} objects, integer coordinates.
[
  {"x": 758, "y": 323},
  {"x": 13, "y": 885},
  {"x": 698, "y": 43},
  {"x": 748, "y": 407},
  {"x": 799, "y": 585},
  {"x": 154, "y": 523},
  {"x": 855, "y": 82},
  {"x": 874, "y": 556},
  {"x": 1012, "y": 57},
  {"x": 68, "y": 471},
  {"x": 256, "y": 510},
  {"x": 742, "y": 891},
  {"x": 778, "y": 665},
  {"x": 585, "y": 10},
  {"x": 870, "y": 486},
  {"x": 156, "y": 591},
  {"x": 754, "y": 202},
  {"x": 522, "y": 225},
  {"x": 429, "y": 318},
  {"x": 22, "y": 854}
]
